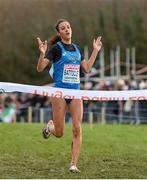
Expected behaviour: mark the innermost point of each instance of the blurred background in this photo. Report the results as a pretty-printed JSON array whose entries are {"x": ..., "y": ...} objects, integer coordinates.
[{"x": 121, "y": 64}]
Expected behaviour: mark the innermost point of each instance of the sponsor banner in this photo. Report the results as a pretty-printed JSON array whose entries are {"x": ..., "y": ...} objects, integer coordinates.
[{"x": 74, "y": 94}]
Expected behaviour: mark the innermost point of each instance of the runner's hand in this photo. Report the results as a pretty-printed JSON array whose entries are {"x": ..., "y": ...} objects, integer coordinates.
[
  {"x": 42, "y": 45},
  {"x": 97, "y": 43}
]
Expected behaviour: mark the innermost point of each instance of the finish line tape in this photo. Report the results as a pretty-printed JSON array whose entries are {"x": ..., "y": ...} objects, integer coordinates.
[{"x": 74, "y": 94}]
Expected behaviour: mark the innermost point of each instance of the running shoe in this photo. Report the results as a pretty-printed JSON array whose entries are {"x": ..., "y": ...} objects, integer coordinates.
[
  {"x": 74, "y": 169},
  {"x": 46, "y": 131}
]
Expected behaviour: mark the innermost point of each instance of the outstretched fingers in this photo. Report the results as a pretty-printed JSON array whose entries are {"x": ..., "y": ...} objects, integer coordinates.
[
  {"x": 45, "y": 42},
  {"x": 39, "y": 41},
  {"x": 98, "y": 39}
]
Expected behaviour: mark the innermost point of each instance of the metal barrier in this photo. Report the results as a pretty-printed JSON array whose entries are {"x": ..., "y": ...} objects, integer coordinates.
[{"x": 112, "y": 112}]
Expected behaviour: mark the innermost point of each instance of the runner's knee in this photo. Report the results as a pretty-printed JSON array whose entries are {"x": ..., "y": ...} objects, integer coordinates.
[
  {"x": 59, "y": 133},
  {"x": 76, "y": 130}
]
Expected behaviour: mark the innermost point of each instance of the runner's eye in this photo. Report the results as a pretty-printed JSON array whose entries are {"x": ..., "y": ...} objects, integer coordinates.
[{"x": 62, "y": 28}]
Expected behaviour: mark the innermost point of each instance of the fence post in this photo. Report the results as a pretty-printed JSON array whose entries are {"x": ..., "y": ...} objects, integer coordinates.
[
  {"x": 117, "y": 56},
  {"x": 91, "y": 119},
  {"x": 29, "y": 114},
  {"x": 112, "y": 64},
  {"x": 103, "y": 113},
  {"x": 120, "y": 114},
  {"x": 137, "y": 117},
  {"x": 128, "y": 62},
  {"x": 41, "y": 115},
  {"x": 102, "y": 64},
  {"x": 133, "y": 57},
  {"x": 14, "y": 118}
]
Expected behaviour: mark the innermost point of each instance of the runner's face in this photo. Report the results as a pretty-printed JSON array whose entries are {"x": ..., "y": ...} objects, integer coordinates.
[{"x": 65, "y": 31}]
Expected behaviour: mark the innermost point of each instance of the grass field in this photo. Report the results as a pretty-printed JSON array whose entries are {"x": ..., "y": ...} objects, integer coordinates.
[{"x": 108, "y": 151}]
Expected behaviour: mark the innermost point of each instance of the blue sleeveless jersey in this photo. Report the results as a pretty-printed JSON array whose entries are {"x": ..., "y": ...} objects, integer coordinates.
[{"x": 66, "y": 71}]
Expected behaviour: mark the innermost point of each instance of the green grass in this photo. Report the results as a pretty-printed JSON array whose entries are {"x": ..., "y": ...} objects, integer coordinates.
[{"x": 108, "y": 151}]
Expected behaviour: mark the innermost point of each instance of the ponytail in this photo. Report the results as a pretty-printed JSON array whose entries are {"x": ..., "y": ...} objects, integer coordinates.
[{"x": 53, "y": 40}]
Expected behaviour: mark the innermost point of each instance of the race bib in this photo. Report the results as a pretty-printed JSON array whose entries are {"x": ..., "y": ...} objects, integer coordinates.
[{"x": 71, "y": 73}]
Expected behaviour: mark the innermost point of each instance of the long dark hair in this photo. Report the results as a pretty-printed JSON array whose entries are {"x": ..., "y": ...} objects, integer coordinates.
[{"x": 55, "y": 38}]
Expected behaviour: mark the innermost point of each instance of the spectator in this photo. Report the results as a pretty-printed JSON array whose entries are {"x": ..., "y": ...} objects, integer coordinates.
[{"x": 8, "y": 112}]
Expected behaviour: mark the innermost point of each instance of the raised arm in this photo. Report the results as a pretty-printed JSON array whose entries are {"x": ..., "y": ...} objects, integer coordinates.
[
  {"x": 87, "y": 64},
  {"x": 42, "y": 62}
]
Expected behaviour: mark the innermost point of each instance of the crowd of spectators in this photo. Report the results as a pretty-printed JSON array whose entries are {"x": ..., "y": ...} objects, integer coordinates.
[{"x": 15, "y": 104}]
